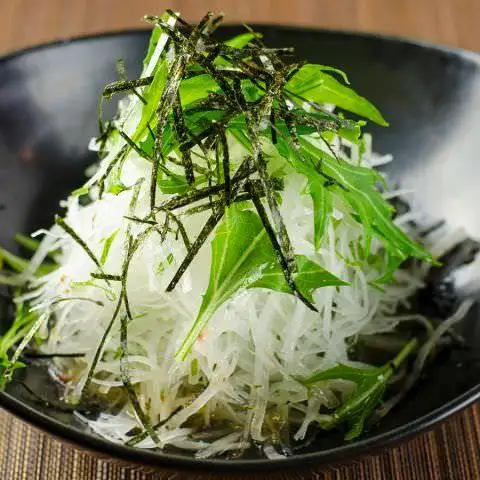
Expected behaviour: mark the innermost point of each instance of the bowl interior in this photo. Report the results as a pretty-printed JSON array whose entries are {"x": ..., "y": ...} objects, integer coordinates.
[{"x": 430, "y": 96}]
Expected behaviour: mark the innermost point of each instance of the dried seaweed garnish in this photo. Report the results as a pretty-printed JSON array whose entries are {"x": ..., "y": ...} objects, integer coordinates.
[
  {"x": 225, "y": 166},
  {"x": 244, "y": 170},
  {"x": 125, "y": 86},
  {"x": 184, "y": 52},
  {"x": 182, "y": 133},
  {"x": 132, "y": 246},
  {"x": 70, "y": 231},
  {"x": 82, "y": 299},
  {"x": 140, "y": 151},
  {"x": 44, "y": 356},
  {"x": 282, "y": 246},
  {"x": 122, "y": 73},
  {"x": 121, "y": 155},
  {"x": 181, "y": 229},
  {"x": 99, "y": 350},
  {"x": 142, "y": 436},
  {"x": 106, "y": 276},
  {"x": 244, "y": 197},
  {"x": 287, "y": 270},
  {"x": 197, "y": 168},
  {"x": 210, "y": 224},
  {"x": 125, "y": 376},
  {"x": 189, "y": 198}
]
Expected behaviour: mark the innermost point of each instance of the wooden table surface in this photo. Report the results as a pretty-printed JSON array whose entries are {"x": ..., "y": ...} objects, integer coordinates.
[
  {"x": 451, "y": 451},
  {"x": 452, "y": 22}
]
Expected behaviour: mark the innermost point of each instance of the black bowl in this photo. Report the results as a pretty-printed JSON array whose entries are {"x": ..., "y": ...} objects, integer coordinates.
[{"x": 430, "y": 95}]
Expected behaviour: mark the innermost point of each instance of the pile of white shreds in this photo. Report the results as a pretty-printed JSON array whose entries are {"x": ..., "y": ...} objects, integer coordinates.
[{"x": 244, "y": 366}]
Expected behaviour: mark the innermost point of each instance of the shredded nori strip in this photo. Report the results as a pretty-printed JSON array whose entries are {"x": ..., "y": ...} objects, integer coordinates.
[
  {"x": 70, "y": 231},
  {"x": 273, "y": 238},
  {"x": 126, "y": 85},
  {"x": 182, "y": 136},
  {"x": 195, "y": 247}
]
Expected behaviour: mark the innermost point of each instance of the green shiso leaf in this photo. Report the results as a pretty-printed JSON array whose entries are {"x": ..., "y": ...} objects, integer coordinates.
[
  {"x": 312, "y": 83},
  {"x": 243, "y": 39},
  {"x": 243, "y": 257},
  {"x": 309, "y": 277},
  {"x": 156, "y": 36},
  {"x": 239, "y": 41},
  {"x": 196, "y": 88},
  {"x": 178, "y": 184},
  {"x": 341, "y": 73},
  {"x": 353, "y": 132},
  {"x": 322, "y": 208},
  {"x": 360, "y": 192}
]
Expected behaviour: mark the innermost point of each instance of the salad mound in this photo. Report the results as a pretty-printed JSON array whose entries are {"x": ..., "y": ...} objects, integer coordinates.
[{"x": 234, "y": 245}]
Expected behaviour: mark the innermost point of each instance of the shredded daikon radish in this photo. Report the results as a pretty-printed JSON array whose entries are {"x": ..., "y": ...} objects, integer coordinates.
[{"x": 253, "y": 348}]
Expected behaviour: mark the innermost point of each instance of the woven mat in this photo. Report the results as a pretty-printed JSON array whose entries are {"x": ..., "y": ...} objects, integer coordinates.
[{"x": 450, "y": 452}]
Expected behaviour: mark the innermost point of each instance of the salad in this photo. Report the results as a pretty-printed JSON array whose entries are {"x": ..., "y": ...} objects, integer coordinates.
[{"x": 215, "y": 281}]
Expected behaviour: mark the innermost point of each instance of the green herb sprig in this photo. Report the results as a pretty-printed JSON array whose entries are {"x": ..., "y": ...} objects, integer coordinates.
[{"x": 370, "y": 387}]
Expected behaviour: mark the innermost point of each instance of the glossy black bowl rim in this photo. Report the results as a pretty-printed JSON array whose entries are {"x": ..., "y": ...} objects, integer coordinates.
[{"x": 301, "y": 461}]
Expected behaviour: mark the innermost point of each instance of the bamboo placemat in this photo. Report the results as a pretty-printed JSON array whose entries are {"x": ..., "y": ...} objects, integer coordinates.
[
  {"x": 452, "y": 451},
  {"x": 449, "y": 452}
]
